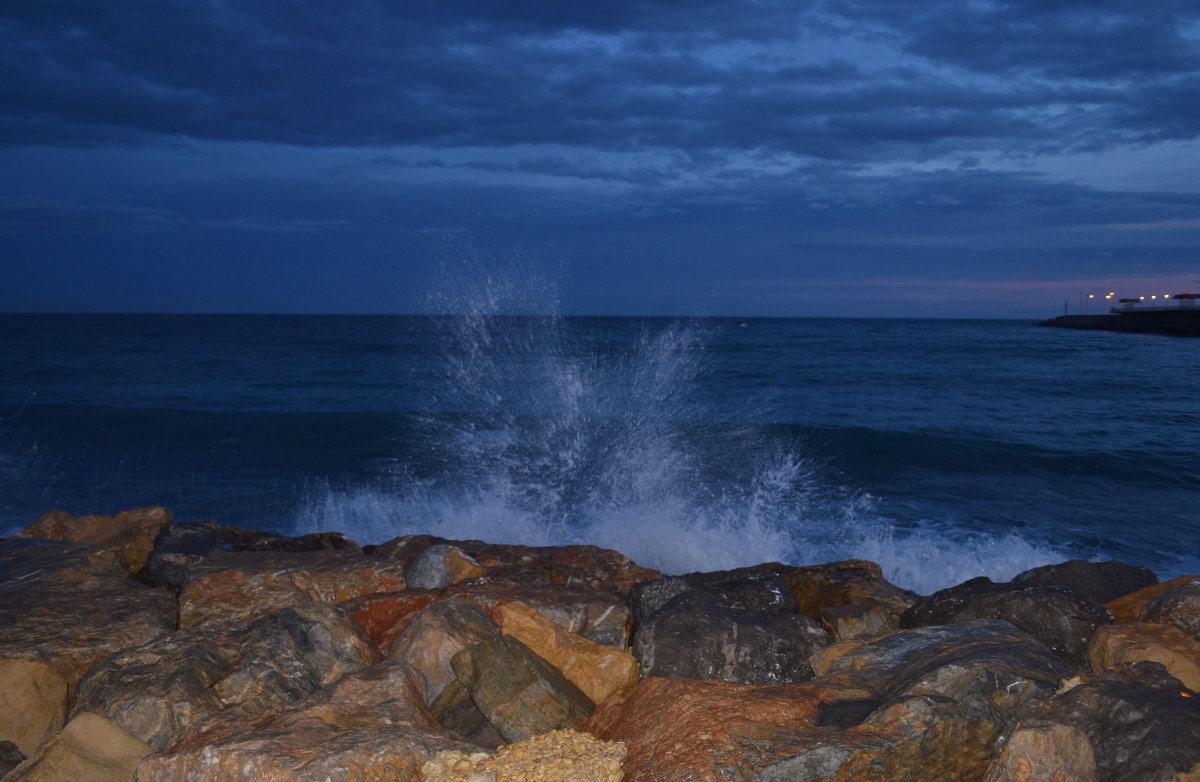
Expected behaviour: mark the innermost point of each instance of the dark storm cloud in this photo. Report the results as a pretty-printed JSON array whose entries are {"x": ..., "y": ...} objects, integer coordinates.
[{"x": 692, "y": 77}]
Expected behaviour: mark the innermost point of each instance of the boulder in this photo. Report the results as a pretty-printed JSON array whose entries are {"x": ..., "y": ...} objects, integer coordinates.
[
  {"x": 238, "y": 586},
  {"x": 186, "y": 682},
  {"x": 1142, "y": 725},
  {"x": 455, "y": 711},
  {"x": 859, "y": 621},
  {"x": 440, "y": 566},
  {"x": 182, "y": 545},
  {"x": 846, "y": 583},
  {"x": 1161, "y": 643},
  {"x": 129, "y": 534},
  {"x": 696, "y": 636},
  {"x": 597, "y": 616},
  {"x": 72, "y": 604},
  {"x": 1178, "y": 606},
  {"x": 436, "y": 634},
  {"x": 521, "y": 694},
  {"x": 1059, "y": 617},
  {"x": 33, "y": 703},
  {"x": 1053, "y": 753},
  {"x": 371, "y": 724},
  {"x": 88, "y": 749},
  {"x": 577, "y": 567},
  {"x": 1099, "y": 581},
  {"x": 599, "y": 671},
  {"x": 1128, "y": 608},
  {"x": 756, "y": 590}
]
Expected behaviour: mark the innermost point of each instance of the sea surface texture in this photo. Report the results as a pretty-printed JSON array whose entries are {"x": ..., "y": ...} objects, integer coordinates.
[{"x": 940, "y": 449}]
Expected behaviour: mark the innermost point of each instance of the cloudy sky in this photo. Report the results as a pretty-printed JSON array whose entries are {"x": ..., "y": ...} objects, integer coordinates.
[{"x": 991, "y": 158}]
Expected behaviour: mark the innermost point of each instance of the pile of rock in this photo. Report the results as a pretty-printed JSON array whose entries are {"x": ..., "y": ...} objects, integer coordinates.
[{"x": 133, "y": 648}]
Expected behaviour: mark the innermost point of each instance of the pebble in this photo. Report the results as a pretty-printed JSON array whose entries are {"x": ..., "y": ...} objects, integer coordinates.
[{"x": 558, "y": 756}]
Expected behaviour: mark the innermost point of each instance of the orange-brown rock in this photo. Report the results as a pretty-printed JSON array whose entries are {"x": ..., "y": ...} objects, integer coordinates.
[
  {"x": 188, "y": 681},
  {"x": 1130, "y": 607},
  {"x": 129, "y": 534},
  {"x": 597, "y": 616},
  {"x": 1053, "y": 753},
  {"x": 587, "y": 567},
  {"x": 33, "y": 703},
  {"x": 369, "y": 725},
  {"x": 600, "y": 671},
  {"x": 88, "y": 749},
  {"x": 436, "y": 634},
  {"x": 1162, "y": 643},
  {"x": 73, "y": 604},
  {"x": 844, "y": 583},
  {"x": 690, "y": 729},
  {"x": 1178, "y": 606},
  {"x": 859, "y": 621},
  {"x": 240, "y": 585}
]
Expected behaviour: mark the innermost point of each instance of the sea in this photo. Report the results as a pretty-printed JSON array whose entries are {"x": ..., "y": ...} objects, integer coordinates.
[{"x": 941, "y": 449}]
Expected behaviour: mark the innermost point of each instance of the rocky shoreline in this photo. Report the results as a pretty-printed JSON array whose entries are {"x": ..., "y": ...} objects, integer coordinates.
[{"x": 136, "y": 648}]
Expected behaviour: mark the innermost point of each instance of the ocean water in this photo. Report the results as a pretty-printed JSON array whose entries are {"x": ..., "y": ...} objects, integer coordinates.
[{"x": 942, "y": 449}]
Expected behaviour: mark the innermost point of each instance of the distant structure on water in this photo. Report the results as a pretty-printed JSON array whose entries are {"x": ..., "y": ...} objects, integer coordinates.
[{"x": 1178, "y": 316}]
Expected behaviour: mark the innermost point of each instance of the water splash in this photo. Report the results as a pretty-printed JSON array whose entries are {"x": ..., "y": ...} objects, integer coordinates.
[{"x": 548, "y": 430}]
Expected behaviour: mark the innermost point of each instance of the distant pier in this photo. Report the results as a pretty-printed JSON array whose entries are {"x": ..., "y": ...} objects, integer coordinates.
[{"x": 1181, "y": 320}]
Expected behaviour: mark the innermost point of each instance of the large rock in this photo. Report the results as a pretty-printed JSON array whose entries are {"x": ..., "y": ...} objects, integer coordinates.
[
  {"x": 436, "y": 634},
  {"x": 237, "y": 586},
  {"x": 73, "y": 604},
  {"x": 851, "y": 582},
  {"x": 182, "y": 545},
  {"x": 129, "y": 535},
  {"x": 1059, "y": 617},
  {"x": 88, "y": 749},
  {"x": 1178, "y": 606},
  {"x": 757, "y": 590},
  {"x": 930, "y": 703},
  {"x": 33, "y": 703},
  {"x": 184, "y": 683},
  {"x": 441, "y": 566},
  {"x": 1161, "y": 643},
  {"x": 599, "y": 671},
  {"x": 1141, "y": 724},
  {"x": 1053, "y": 753},
  {"x": 695, "y": 636},
  {"x": 1099, "y": 581},
  {"x": 521, "y": 694},
  {"x": 597, "y": 616},
  {"x": 577, "y": 567},
  {"x": 1130, "y": 608},
  {"x": 369, "y": 725}
]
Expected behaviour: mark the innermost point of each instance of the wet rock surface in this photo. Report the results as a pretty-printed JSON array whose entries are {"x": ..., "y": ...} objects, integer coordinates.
[
  {"x": 184, "y": 683},
  {"x": 370, "y": 724},
  {"x": 232, "y": 587},
  {"x": 1178, "y": 606},
  {"x": 1058, "y": 616},
  {"x": 1098, "y": 581},
  {"x": 73, "y": 604},
  {"x": 1139, "y": 721}
]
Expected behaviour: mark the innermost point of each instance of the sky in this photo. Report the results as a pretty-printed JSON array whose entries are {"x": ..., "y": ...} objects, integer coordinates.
[{"x": 985, "y": 158}]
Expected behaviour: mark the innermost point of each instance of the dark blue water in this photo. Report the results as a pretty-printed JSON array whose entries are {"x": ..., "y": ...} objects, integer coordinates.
[{"x": 941, "y": 449}]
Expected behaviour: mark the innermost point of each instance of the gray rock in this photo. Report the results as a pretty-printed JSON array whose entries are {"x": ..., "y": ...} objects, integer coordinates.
[
  {"x": 1099, "y": 581},
  {"x": 1058, "y": 616},
  {"x": 190, "y": 680},
  {"x": 696, "y": 635},
  {"x": 521, "y": 694}
]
